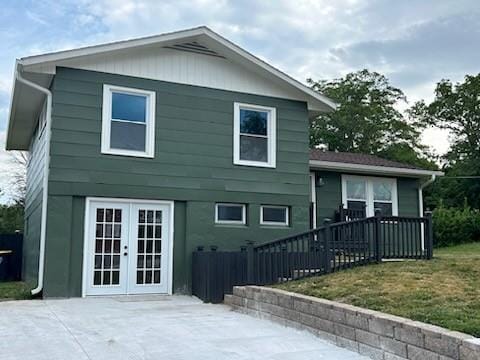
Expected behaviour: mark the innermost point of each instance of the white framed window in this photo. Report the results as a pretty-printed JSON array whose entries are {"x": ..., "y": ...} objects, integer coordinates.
[
  {"x": 254, "y": 135},
  {"x": 230, "y": 213},
  {"x": 128, "y": 121},
  {"x": 274, "y": 215},
  {"x": 370, "y": 193}
]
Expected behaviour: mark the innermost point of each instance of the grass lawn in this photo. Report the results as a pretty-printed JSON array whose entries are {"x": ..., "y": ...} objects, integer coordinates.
[
  {"x": 444, "y": 291},
  {"x": 14, "y": 290}
]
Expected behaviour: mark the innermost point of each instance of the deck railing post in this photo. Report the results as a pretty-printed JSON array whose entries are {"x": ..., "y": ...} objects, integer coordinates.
[
  {"x": 378, "y": 236},
  {"x": 250, "y": 263},
  {"x": 327, "y": 246},
  {"x": 429, "y": 234}
]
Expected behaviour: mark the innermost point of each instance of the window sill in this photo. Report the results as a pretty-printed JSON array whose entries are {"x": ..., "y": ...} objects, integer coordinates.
[
  {"x": 274, "y": 226},
  {"x": 128, "y": 153},
  {"x": 231, "y": 225},
  {"x": 254, "y": 164}
]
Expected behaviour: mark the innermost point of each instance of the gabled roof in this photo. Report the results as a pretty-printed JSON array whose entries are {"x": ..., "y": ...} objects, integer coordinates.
[
  {"x": 364, "y": 163},
  {"x": 200, "y": 40}
]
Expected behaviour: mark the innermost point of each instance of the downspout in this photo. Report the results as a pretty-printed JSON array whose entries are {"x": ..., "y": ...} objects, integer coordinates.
[
  {"x": 43, "y": 225},
  {"x": 420, "y": 205},
  {"x": 420, "y": 193}
]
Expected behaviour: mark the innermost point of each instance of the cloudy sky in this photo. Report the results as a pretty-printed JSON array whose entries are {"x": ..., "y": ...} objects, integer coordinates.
[{"x": 414, "y": 42}]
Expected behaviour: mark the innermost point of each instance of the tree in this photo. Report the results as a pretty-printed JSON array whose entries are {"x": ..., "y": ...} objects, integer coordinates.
[
  {"x": 17, "y": 186},
  {"x": 11, "y": 218},
  {"x": 457, "y": 109},
  {"x": 366, "y": 119}
]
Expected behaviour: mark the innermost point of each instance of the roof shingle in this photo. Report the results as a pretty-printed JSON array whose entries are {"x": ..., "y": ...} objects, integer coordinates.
[{"x": 354, "y": 158}]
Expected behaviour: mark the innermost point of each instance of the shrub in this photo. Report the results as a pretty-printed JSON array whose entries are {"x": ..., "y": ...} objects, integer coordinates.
[{"x": 453, "y": 226}]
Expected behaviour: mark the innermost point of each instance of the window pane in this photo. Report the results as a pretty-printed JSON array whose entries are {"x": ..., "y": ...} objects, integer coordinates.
[
  {"x": 356, "y": 189},
  {"x": 382, "y": 190},
  {"x": 253, "y": 148},
  {"x": 253, "y": 122},
  {"x": 127, "y": 136},
  {"x": 385, "y": 208},
  {"x": 230, "y": 213},
  {"x": 356, "y": 209},
  {"x": 129, "y": 107},
  {"x": 274, "y": 214}
]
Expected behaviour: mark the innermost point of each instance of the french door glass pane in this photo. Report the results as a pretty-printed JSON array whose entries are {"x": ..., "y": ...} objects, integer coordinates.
[
  {"x": 107, "y": 246},
  {"x": 149, "y": 251}
]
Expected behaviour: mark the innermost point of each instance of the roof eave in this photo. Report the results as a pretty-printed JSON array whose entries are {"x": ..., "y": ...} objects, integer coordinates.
[
  {"x": 324, "y": 103},
  {"x": 371, "y": 169}
]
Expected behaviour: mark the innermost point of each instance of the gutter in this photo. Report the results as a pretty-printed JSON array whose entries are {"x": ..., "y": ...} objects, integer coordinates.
[
  {"x": 43, "y": 226},
  {"x": 370, "y": 169},
  {"x": 420, "y": 193}
]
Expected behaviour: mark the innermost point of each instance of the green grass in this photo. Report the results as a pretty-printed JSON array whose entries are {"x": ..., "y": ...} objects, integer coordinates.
[
  {"x": 14, "y": 290},
  {"x": 444, "y": 291}
]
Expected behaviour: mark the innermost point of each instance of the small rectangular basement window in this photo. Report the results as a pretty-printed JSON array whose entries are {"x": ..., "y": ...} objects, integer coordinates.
[
  {"x": 128, "y": 121},
  {"x": 230, "y": 213},
  {"x": 274, "y": 215}
]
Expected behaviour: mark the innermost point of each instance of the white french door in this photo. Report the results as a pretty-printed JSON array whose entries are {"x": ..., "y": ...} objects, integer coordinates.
[{"x": 128, "y": 247}]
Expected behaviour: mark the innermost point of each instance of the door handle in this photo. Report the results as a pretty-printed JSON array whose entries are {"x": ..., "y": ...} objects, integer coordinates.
[{"x": 125, "y": 253}]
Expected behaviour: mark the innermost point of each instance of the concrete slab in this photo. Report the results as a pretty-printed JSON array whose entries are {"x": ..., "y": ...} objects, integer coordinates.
[{"x": 149, "y": 327}]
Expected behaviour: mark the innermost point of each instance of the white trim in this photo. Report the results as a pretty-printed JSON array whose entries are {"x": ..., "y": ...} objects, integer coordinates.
[
  {"x": 89, "y": 200},
  {"x": 231, "y": 222},
  {"x": 46, "y": 172},
  {"x": 274, "y": 223},
  {"x": 149, "y": 121},
  {"x": 369, "y": 200},
  {"x": 420, "y": 205},
  {"x": 371, "y": 169},
  {"x": 313, "y": 199},
  {"x": 271, "y": 135},
  {"x": 171, "y": 38}
]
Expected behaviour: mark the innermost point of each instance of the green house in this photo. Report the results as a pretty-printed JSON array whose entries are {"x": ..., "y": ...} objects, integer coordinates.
[{"x": 143, "y": 150}]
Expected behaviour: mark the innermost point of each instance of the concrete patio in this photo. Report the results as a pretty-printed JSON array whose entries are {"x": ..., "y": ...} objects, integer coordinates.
[{"x": 149, "y": 327}]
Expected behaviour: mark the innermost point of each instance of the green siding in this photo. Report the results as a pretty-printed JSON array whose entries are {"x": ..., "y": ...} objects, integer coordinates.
[
  {"x": 192, "y": 166},
  {"x": 329, "y": 195},
  {"x": 408, "y": 196},
  {"x": 33, "y": 207}
]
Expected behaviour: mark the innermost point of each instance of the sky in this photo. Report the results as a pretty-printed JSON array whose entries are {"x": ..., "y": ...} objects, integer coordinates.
[{"x": 415, "y": 43}]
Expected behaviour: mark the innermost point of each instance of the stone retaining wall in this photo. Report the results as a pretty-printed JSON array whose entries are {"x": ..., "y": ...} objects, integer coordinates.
[{"x": 372, "y": 333}]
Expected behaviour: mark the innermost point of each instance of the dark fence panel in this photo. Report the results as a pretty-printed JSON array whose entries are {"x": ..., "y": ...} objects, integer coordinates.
[
  {"x": 11, "y": 246},
  {"x": 330, "y": 248},
  {"x": 215, "y": 273}
]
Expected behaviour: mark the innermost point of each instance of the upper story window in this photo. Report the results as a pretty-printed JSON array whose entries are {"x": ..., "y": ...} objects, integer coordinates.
[
  {"x": 128, "y": 123},
  {"x": 254, "y": 135},
  {"x": 370, "y": 193}
]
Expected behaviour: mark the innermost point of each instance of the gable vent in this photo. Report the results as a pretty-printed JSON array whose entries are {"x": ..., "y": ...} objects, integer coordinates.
[{"x": 195, "y": 48}]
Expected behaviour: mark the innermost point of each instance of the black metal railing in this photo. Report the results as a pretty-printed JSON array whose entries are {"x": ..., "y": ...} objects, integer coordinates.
[
  {"x": 348, "y": 214},
  {"x": 329, "y": 248}
]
